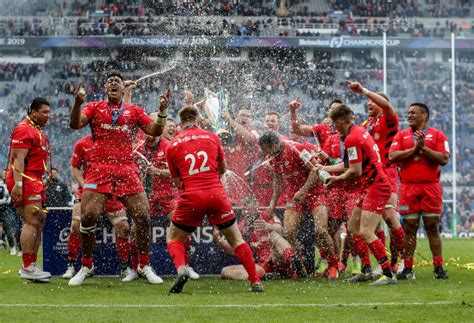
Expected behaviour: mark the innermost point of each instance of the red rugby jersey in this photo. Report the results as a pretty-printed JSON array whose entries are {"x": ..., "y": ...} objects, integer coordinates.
[
  {"x": 113, "y": 142},
  {"x": 361, "y": 148},
  {"x": 420, "y": 169},
  {"x": 193, "y": 157},
  {"x": 383, "y": 129}
]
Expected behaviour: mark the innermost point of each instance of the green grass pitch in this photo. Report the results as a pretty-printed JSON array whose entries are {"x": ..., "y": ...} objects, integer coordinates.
[{"x": 211, "y": 299}]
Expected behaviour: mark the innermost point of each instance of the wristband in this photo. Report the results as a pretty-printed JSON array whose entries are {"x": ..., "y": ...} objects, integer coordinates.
[
  {"x": 160, "y": 120},
  {"x": 365, "y": 91},
  {"x": 19, "y": 183}
]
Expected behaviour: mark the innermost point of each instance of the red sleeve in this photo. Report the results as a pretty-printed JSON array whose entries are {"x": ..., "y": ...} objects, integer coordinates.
[
  {"x": 173, "y": 170},
  {"x": 143, "y": 118},
  {"x": 397, "y": 142},
  {"x": 442, "y": 144},
  {"x": 77, "y": 155},
  {"x": 353, "y": 148},
  {"x": 317, "y": 128},
  {"x": 22, "y": 137},
  {"x": 90, "y": 109},
  {"x": 327, "y": 146}
]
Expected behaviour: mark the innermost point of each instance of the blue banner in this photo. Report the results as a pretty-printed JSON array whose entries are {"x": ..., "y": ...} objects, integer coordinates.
[{"x": 207, "y": 257}]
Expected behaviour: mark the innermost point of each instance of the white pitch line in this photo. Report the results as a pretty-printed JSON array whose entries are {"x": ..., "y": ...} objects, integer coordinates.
[{"x": 232, "y": 305}]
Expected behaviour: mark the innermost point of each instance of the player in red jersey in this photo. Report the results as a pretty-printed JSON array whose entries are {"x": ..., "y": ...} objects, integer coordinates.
[
  {"x": 319, "y": 131},
  {"x": 382, "y": 125},
  {"x": 263, "y": 234},
  {"x": 293, "y": 176},
  {"x": 113, "y": 208},
  {"x": 341, "y": 199},
  {"x": 361, "y": 159},
  {"x": 196, "y": 161},
  {"x": 29, "y": 151},
  {"x": 420, "y": 151},
  {"x": 114, "y": 125},
  {"x": 241, "y": 151}
]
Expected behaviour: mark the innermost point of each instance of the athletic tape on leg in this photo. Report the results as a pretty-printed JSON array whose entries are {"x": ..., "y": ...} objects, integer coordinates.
[
  {"x": 115, "y": 221},
  {"x": 88, "y": 230}
]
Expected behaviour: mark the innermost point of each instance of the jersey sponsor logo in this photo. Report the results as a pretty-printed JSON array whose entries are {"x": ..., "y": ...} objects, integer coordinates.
[
  {"x": 91, "y": 186},
  {"x": 404, "y": 207},
  {"x": 429, "y": 135},
  {"x": 126, "y": 113},
  {"x": 123, "y": 128},
  {"x": 17, "y": 141},
  {"x": 376, "y": 136},
  {"x": 161, "y": 153},
  {"x": 395, "y": 143},
  {"x": 352, "y": 153}
]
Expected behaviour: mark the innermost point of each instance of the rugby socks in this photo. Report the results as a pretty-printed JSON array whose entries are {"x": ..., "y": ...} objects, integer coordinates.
[
  {"x": 408, "y": 262},
  {"x": 73, "y": 246},
  {"x": 287, "y": 256},
  {"x": 378, "y": 249},
  {"x": 28, "y": 259},
  {"x": 87, "y": 262},
  {"x": 177, "y": 253},
  {"x": 346, "y": 251},
  {"x": 438, "y": 261},
  {"x": 123, "y": 248},
  {"x": 143, "y": 259},
  {"x": 244, "y": 255},
  {"x": 382, "y": 237},
  {"x": 362, "y": 250},
  {"x": 399, "y": 238}
]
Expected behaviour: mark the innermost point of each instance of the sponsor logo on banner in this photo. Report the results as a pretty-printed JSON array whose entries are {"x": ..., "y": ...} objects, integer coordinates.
[{"x": 347, "y": 42}]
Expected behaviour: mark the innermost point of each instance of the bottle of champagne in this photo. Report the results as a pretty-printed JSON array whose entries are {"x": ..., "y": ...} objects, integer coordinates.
[{"x": 323, "y": 176}]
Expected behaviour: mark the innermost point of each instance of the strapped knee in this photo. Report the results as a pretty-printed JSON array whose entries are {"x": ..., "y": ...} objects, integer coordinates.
[
  {"x": 76, "y": 218},
  {"x": 117, "y": 220},
  {"x": 390, "y": 206},
  {"x": 88, "y": 230}
]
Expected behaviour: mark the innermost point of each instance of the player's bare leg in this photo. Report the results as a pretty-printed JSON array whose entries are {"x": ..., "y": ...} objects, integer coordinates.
[
  {"x": 33, "y": 217},
  {"x": 139, "y": 210},
  {"x": 238, "y": 272},
  {"x": 368, "y": 224},
  {"x": 92, "y": 204},
  {"x": 283, "y": 251},
  {"x": 243, "y": 254},
  {"x": 122, "y": 234},
  {"x": 360, "y": 247},
  {"x": 431, "y": 224},
  {"x": 397, "y": 234},
  {"x": 291, "y": 223},
  {"x": 324, "y": 240},
  {"x": 411, "y": 224}
]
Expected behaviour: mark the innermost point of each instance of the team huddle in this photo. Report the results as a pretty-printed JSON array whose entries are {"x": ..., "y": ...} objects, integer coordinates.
[{"x": 352, "y": 177}]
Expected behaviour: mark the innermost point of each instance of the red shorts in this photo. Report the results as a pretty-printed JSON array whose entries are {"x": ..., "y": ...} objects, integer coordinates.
[
  {"x": 111, "y": 205},
  {"x": 375, "y": 197},
  {"x": 392, "y": 175},
  {"x": 117, "y": 180},
  {"x": 425, "y": 197},
  {"x": 191, "y": 207},
  {"x": 340, "y": 203},
  {"x": 34, "y": 191},
  {"x": 162, "y": 206},
  {"x": 314, "y": 198}
]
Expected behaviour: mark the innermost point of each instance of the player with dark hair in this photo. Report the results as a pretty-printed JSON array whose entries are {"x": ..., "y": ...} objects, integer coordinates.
[
  {"x": 196, "y": 161},
  {"x": 293, "y": 176},
  {"x": 263, "y": 233},
  {"x": 114, "y": 125},
  {"x": 382, "y": 125},
  {"x": 29, "y": 151},
  {"x": 361, "y": 159},
  {"x": 420, "y": 151}
]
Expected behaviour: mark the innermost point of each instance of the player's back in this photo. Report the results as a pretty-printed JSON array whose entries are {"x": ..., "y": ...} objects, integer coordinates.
[{"x": 194, "y": 156}]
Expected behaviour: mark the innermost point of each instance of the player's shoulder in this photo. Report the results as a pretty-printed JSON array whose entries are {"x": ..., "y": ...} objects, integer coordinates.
[
  {"x": 435, "y": 133},
  {"x": 24, "y": 129},
  {"x": 96, "y": 104},
  {"x": 133, "y": 107}
]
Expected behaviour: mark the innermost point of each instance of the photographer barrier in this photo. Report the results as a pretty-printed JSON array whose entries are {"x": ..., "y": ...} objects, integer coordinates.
[{"x": 207, "y": 258}]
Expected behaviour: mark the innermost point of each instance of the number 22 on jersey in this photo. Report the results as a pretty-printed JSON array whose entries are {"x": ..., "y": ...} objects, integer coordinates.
[{"x": 201, "y": 157}]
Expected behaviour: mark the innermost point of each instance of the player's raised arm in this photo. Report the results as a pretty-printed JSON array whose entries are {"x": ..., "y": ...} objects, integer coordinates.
[
  {"x": 299, "y": 129},
  {"x": 379, "y": 100},
  {"x": 155, "y": 128},
  {"x": 77, "y": 119}
]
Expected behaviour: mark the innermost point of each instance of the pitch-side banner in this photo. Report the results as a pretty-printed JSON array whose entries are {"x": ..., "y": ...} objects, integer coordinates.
[
  {"x": 206, "y": 256},
  {"x": 230, "y": 42}
]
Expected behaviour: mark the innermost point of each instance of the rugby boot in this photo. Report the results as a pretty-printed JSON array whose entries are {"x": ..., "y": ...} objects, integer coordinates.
[
  {"x": 181, "y": 280},
  {"x": 81, "y": 275},
  {"x": 406, "y": 274},
  {"x": 150, "y": 275},
  {"x": 439, "y": 273}
]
